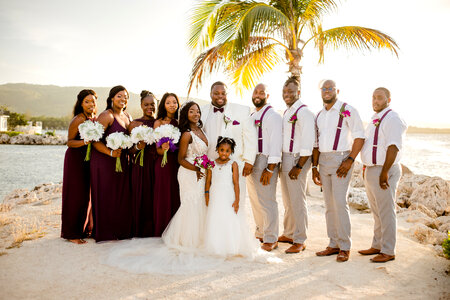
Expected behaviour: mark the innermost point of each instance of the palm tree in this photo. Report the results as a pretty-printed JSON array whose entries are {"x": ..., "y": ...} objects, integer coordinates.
[{"x": 249, "y": 38}]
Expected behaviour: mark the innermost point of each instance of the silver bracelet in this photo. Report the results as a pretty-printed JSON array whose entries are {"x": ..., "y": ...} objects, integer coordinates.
[
  {"x": 314, "y": 167},
  {"x": 267, "y": 169},
  {"x": 111, "y": 153},
  {"x": 137, "y": 148}
]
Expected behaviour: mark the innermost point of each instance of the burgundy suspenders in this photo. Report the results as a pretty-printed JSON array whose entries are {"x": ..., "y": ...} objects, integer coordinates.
[
  {"x": 260, "y": 139},
  {"x": 338, "y": 129},
  {"x": 375, "y": 139}
]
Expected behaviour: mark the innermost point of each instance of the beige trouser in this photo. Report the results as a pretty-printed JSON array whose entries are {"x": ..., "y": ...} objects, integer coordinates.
[
  {"x": 382, "y": 204},
  {"x": 335, "y": 192},
  {"x": 264, "y": 201},
  {"x": 294, "y": 198}
]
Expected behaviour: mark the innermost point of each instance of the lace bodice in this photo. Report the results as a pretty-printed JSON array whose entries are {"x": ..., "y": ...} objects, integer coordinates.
[{"x": 196, "y": 148}]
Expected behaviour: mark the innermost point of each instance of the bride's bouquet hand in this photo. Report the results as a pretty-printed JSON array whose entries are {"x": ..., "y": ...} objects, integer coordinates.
[
  {"x": 199, "y": 173},
  {"x": 236, "y": 206}
]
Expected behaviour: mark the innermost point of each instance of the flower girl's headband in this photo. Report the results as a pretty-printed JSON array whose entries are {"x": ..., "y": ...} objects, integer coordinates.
[{"x": 226, "y": 140}]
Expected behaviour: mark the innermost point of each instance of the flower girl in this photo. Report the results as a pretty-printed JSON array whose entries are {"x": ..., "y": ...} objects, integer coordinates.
[{"x": 227, "y": 231}]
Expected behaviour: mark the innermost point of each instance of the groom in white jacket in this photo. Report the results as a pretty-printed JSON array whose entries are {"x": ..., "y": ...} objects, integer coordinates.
[{"x": 232, "y": 120}]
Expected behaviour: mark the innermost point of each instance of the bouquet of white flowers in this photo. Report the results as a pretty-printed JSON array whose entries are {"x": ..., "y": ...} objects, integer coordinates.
[
  {"x": 90, "y": 131},
  {"x": 142, "y": 133},
  {"x": 118, "y": 140},
  {"x": 167, "y": 133}
]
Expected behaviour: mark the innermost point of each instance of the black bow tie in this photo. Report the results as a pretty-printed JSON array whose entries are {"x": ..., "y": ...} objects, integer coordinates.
[{"x": 218, "y": 109}]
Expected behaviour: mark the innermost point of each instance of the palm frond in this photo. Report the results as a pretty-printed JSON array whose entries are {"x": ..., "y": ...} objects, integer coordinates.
[
  {"x": 315, "y": 9},
  {"x": 353, "y": 37},
  {"x": 248, "y": 70},
  {"x": 207, "y": 62},
  {"x": 259, "y": 19}
]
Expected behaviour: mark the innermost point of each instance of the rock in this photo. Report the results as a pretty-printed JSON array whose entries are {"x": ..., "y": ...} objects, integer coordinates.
[
  {"x": 357, "y": 199},
  {"x": 439, "y": 250},
  {"x": 442, "y": 220},
  {"x": 357, "y": 178},
  {"x": 408, "y": 183},
  {"x": 422, "y": 208},
  {"x": 415, "y": 216},
  {"x": 406, "y": 170},
  {"x": 434, "y": 194},
  {"x": 427, "y": 235},
  {"x": 445, "y": 228},
  {"x": 4, "y": 138},
  {"x": 33, "y": 139}
]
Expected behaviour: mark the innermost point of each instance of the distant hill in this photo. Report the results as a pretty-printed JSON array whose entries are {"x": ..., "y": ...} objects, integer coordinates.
[{"x": 57, "y": 101}]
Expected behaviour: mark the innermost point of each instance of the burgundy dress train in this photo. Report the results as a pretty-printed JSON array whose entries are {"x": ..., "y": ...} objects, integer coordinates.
[
  {"x": 166, "y": 199},
  {"x": 142, "y": 183},
  {"x": 75, "y": 193},
  {"x": 110, "y": 190}
]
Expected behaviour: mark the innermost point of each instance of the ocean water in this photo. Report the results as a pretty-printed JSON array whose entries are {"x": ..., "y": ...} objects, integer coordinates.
[{"x": 25, "y": 166}]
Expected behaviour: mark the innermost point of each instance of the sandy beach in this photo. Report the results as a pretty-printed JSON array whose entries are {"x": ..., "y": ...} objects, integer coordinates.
[{"x": 52, "y": 268}]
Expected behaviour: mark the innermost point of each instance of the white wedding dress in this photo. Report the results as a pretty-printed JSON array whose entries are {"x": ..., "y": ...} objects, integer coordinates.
[
  {"x": 181, "y": 250},
  {"x": 227, "y": 233}
]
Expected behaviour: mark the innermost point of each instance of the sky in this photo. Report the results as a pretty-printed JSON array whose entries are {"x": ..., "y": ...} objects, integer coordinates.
[{"x": 141, "y": 44}]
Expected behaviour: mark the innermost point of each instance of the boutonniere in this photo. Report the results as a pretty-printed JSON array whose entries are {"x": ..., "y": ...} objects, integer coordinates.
[
  {"x": 258, "y": 123},
  {"x": 376, "y": 122},
  {"x": 227, "y": 120},
  {"x": 344, "y": 113},
  {"x": 293, "y": 119}
]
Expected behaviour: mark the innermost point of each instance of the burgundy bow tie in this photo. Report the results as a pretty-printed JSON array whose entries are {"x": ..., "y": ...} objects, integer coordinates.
[{"x": 218, "y": 109}]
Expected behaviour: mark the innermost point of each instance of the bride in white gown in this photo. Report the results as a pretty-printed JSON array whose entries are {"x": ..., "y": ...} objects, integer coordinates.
[{"x": 181, "y": 249}]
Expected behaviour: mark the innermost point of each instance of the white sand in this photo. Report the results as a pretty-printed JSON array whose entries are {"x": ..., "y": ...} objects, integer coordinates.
[{"x": 51, "y": 268}]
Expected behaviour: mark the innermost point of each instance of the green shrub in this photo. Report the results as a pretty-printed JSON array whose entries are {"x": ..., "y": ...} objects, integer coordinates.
[
  {"x": 446, "y": 246},
  {"x": 52, "y": 133},
  {"x": 12, "y": 133}
]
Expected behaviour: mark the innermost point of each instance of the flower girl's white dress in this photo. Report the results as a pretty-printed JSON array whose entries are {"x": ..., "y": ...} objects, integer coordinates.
[{"x": 227, "y": 233}]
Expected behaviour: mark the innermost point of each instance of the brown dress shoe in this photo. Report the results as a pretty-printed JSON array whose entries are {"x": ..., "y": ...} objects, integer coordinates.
[
  {"x": 285, "y": 239},
  {"x": 343, "y": 256},
  {"x": 370, "y": 251},
  {"x": 269, "y": 246},
  {"x": 328, "y": 251},
  {"x": 295, "y": 248},
  {"x": 382, "y": 258}
]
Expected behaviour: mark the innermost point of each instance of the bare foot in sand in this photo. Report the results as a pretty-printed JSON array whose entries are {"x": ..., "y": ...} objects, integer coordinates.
[{"x": 78, "y": 241}]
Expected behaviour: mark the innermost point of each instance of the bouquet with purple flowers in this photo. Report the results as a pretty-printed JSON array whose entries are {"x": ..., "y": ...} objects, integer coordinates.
[
  {"x": 204, "y": 162},
  {"x": 167, "y": 133}
]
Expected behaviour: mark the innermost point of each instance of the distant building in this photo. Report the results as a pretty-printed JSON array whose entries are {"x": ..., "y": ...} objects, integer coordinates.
[
  {"x": 3, "y": 122},
  {"x": 29, "y": 128}
]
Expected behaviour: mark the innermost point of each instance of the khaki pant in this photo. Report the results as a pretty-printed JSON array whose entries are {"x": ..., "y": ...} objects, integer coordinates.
[
  {"x": 382, "y": 204},
  {"x": 264, "y": 201},
  {"x": 335, "y": 191},
  {"x": 294, "y": 198}
]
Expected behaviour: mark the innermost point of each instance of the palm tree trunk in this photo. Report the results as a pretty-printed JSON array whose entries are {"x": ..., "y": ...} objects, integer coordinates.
[{"x": 294, "y": 62}]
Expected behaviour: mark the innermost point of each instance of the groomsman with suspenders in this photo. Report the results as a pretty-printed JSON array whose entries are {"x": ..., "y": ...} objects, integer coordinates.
[
  {"x": 339, "y": 139},
  {"x": 298, "y": 142},
  {"x": 381, "y": 155},
  {"x": 262, "y": 183}
]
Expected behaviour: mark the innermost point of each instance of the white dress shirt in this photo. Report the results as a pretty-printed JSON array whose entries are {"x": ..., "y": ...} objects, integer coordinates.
[
  {"x": 327, "y": 122},
  {"x": 213, "y": 123},
  {"x": 304, "y": 130},
  {"x": 271, "y": 134},
  {"x": 391, "y": 132}
]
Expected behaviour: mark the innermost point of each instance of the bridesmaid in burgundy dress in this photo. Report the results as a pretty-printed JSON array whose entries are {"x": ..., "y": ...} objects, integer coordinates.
[
  {"x": 76, "y": 186},
  {"x": 143, "y": 178},
  {"x": 110, "y": 190},
  {"x": 166, "y": 192}
]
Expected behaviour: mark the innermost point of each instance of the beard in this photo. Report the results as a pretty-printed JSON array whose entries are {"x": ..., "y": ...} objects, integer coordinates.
[
  {"x": 261, "y": 103},
  {"x": 329, "y": 100}
]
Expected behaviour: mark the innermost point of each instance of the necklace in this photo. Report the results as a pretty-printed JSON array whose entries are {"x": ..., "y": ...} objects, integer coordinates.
[{"x": 220, "y": 166}]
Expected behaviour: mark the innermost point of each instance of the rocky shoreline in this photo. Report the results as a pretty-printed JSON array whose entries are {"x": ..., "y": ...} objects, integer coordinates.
[
  {"x": 32, "y": 139},
  {"x": 422, "y": 201}
]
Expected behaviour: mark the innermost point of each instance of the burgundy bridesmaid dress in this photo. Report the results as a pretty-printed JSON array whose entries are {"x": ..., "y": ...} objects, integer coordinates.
[
  {"x": 110, "y": 190},
  {"x": 75, "y": 193},
  {"x": 142, "y": 183},
  {"x": 166, "y": 199}
]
